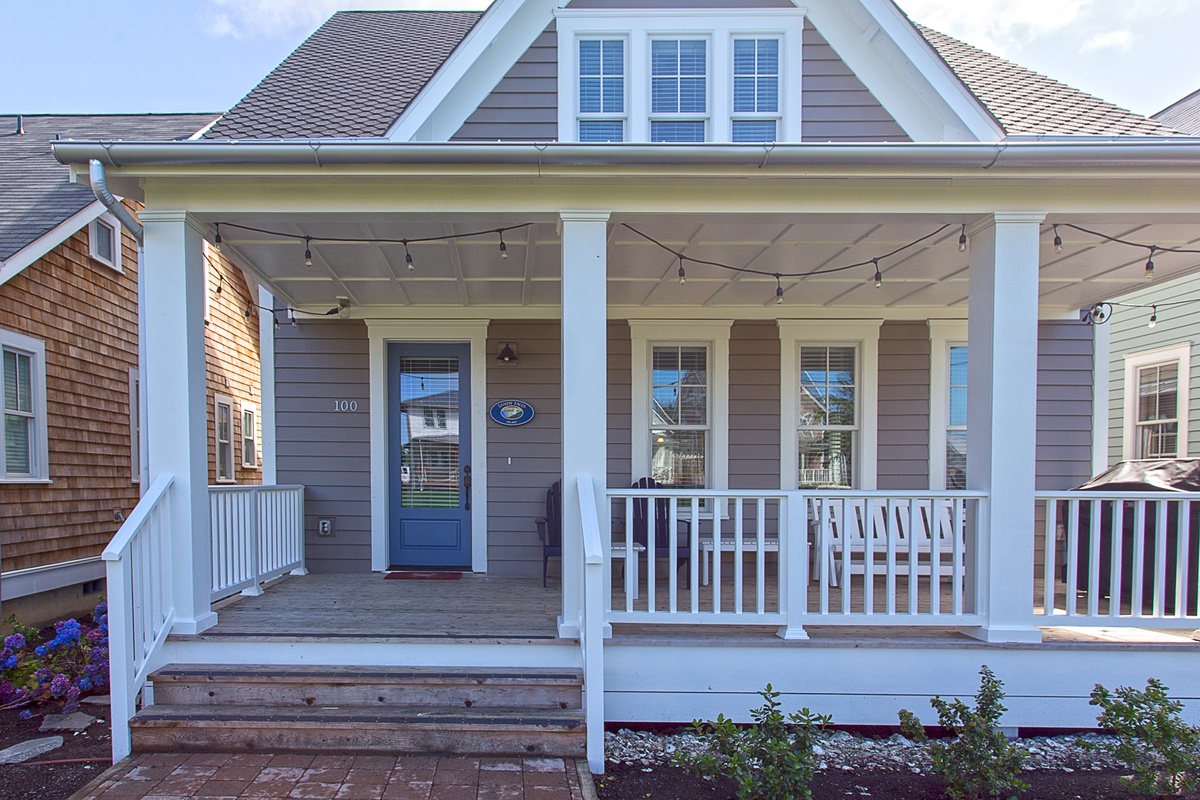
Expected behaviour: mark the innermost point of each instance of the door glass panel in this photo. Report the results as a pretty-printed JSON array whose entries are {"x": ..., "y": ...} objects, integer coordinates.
[{"x": 429, "y": 413}]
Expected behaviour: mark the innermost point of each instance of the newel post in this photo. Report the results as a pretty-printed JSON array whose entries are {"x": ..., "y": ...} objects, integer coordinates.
[
  {"x": 584, "y": 390},
  {"x": 176, "y": 424},
  {"x": 1002, "y": 330}
]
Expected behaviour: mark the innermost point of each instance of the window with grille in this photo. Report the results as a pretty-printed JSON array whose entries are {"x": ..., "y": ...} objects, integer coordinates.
[
  {"x": 1157, "y": 411},
  {"x": 249, "y": 437},
  {"x": 755, "y": 90},
  {"x": 223, "y": 411},
  {"x": 828, "y": 415},
  {"x": 679, "y": 415},
  {"x": 602, "y": 90},
  {"x": 956, "y": 428},
  {"x": 678, "y": 90}
]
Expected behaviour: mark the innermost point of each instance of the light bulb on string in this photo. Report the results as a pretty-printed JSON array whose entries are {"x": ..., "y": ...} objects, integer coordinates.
[
  {"x": 1153, "y": 317},
  {"x": 1150, "y": 263},
  {"x": 503, "y": 246},
  {"x": 408, "y": 256},
  {"x": 682, "y": 272},
  {"x": 217, "y": 239},
  {"x": 962, "y": 240},
  {"x": 778, "y": 290},
  {"x": 878, "y": 274},
  {"x": 1058, "y": 244},
  {"x": 307, "y": 251}
]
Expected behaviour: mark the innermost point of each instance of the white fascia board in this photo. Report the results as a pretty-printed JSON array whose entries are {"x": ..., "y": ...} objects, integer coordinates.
[
  {"x": 48, "y": 241},
  {"x": 467, "y": 77},
  {"x": 883, "y": 48},
  {"x": 35, "y": 580}
]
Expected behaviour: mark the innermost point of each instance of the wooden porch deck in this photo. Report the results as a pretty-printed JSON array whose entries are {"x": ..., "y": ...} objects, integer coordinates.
[{"x": 514, "y": 609}]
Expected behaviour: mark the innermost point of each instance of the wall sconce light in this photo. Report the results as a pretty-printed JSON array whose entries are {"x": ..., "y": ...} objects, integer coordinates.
[{"x": 507, "y": 354}]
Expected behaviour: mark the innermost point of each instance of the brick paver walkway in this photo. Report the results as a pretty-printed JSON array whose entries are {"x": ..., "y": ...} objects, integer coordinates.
[{"x": 262, "y": 776}]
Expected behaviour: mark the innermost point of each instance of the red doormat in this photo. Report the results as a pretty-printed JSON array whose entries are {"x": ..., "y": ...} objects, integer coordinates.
[{"x": 423, "y": 576}]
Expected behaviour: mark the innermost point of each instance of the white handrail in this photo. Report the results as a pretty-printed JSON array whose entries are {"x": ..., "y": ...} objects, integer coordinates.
[
  {"x": 140, "y": 605},
  {"x": 591, "y": 636}
]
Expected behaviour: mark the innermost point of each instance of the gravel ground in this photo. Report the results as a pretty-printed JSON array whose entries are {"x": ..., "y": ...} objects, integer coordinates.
[{"x": 839, "y": 750}]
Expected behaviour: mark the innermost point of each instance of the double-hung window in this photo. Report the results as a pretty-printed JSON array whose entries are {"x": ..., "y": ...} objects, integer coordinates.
[
  {"x": 679, "y": 415},
  {"x": 828, "y": 415},
  {"x": 755, "y": 90},
  {"x": 678, "y": 90},
  {"x": 249, "y": 436},
  {"x": 223, "y": 412},
  {"x": 602, "y": 90},
  {"x": 25, "y": 429},
  {"x": 1156, "y": 403}
]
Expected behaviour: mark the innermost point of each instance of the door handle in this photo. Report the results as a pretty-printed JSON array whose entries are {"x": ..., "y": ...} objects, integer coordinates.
[{"x": 467, "y": 486}]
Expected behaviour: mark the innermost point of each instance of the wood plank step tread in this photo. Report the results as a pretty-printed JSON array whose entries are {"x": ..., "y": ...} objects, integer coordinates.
[
  {"x": 241, "y": 672},
  {"x": 359, "y": 715}
]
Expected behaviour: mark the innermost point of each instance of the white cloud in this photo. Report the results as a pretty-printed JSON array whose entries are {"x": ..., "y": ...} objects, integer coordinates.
[
  {"x": 270, "y": 18},
  {"x": 1112, "y": 40},
  {"x": 997, "y": 25}
]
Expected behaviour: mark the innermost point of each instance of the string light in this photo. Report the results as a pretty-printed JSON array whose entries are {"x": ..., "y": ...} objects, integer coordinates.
[
  {"x": 1058, "y": 244},
  {"x": 1150, "y": 263},
  {"x": 778, "y": 290},
  {"x": 307, "y": 251},
  {"x": 220, "y": 282},
  {"x": 1153, "y": 316},
  {"x": 878, "y": 274},
  {"x": 217, "y": 238},
  {"x": 503, "y": 246},
  {"x": 408, "y": 257},
  {"x": 682, "y": 272},
  {"x": 962, "y": 240}
]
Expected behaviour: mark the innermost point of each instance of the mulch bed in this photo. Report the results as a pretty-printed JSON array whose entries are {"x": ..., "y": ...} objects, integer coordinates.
[
  {"x": 628, "y": 782},
  {"x": 39, "y": 780}
]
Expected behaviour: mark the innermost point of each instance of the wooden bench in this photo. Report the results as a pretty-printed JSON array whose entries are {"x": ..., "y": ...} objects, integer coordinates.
[{"x": 728, "y": 544}]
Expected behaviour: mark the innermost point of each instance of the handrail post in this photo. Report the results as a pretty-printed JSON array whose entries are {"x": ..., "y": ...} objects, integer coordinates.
[
  {"x": 793, "y": 556},
  {"x": 120, "y": 654},
  {"x": 254, "y": 543},
  {"x": 591, "y": 634}
]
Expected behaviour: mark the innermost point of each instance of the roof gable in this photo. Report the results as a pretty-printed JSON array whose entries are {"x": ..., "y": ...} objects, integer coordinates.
[
  {"x": 35, "y": 192},
  {"x": 1183, "y": 115}
]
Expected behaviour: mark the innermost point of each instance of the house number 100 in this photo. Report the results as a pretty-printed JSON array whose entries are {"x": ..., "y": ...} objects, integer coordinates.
[{"x": 345, "y": 405}]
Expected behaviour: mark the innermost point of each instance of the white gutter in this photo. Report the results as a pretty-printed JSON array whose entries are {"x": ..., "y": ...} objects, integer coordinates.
[
  {"x": 131, "y": 224},
  {"x": 1076, "y": 152}
]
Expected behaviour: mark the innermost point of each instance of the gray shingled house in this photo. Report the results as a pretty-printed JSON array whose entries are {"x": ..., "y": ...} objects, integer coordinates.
[{"x": 789, "y": 273}]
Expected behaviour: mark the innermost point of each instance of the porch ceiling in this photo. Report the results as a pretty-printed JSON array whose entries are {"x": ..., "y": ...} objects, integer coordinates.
[{"x": 469, "y": 271}]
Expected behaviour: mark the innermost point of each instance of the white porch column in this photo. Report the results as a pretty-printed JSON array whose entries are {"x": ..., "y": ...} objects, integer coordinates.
[
  {"x": 1002, "y": 419},
  {"x": 584, "y": 390},
  {"x": 266, "y": 383},
  {"x": 177, "y": 413}
]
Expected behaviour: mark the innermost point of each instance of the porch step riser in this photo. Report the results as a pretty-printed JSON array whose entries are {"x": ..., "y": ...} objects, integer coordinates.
[
  {"x": 220, "y": 692},
  {"x": 410, "y": 738}
]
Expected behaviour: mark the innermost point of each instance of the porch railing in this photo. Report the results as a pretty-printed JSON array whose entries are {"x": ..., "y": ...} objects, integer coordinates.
[
  {"x": 1119, "y": 559},
  {"x": 790, "y": 558},
  {"x": 257, "y": 535},
  {"x": 140, "y": 606}
]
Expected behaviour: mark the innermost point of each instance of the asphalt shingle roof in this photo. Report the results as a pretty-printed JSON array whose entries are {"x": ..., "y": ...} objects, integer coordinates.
[
  {"x": 1183, "y": 115},
  {"x": 35, "y": 194},
  {"x": 352, "y": 78},
  {"x": 1027, "y": 102}
]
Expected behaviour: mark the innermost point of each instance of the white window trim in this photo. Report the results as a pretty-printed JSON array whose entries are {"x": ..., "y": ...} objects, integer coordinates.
[
  {"x": 757, "y": 116},
  {"x": 135, "y": 442},
  {"x": 253, "y": 437},
  {"x": 864, "y": 334},
  {"x": 639, "y": 27},
  {"x": 40, "y": 468},
  {"x": 110, "y": 221},
  {"x": 218, "y": 401},
  {"x": 644, "y": 334},
  {"x": 1180, "y": 353},
  {"x": 942, "y": 335}
]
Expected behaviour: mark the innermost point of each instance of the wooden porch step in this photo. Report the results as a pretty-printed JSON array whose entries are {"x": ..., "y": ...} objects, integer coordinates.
[
  {"x": 369, "y": 729},
  {"x": 377, "y": 687}
]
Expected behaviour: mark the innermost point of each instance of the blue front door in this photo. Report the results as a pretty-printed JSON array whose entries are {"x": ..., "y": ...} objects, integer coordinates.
[{"x": 429, "y": 456}]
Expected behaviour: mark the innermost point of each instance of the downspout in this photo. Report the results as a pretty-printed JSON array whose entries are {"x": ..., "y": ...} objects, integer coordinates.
[{"x": 131, "y": 224}]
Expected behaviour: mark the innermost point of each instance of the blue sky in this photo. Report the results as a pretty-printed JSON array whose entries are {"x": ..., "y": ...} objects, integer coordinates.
[{"x": 81, "y": 56}]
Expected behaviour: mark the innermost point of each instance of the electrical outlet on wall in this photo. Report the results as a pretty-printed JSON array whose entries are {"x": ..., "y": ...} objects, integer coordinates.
[{"x": 326, "y": 526}]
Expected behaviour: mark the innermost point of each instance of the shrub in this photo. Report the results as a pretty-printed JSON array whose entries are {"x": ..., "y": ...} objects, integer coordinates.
[
  {"x": 771, "y": 759},
  {"x": 71, "y": 663},
  {"x": 1162, "y": 750},
  {"x": 978, "y": 762}
]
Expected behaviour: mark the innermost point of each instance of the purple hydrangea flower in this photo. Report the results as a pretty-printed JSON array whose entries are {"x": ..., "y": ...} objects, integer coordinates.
[
  {"x": 60, "y": 685},
  {"x": 15, "y": 642},
  {"x": 26, "y": 714}
]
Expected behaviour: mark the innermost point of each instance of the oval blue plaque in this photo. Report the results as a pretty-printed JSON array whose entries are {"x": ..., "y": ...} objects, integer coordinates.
[{"x": 511, "y": 412}]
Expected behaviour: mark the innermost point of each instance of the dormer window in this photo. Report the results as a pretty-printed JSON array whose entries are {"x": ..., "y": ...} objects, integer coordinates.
[
  {"x": 602, "y": 90},
  {"x": 678, "y": 90},
  {"x": 755, "y": 90},
  {"x": 679, "y": 75}
]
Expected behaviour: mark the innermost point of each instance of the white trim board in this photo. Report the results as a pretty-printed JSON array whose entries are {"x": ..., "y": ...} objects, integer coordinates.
[
  {"x": 474, "y": 333},
  {"x": 35, "y": 580},
  {"x": 861, "y": 332},
  {"x": 51, "y": 239}
]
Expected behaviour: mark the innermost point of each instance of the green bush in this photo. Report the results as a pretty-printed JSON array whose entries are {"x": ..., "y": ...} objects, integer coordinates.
[
  {"x": 771, "y": 759},
  {"x": 978, "y": 762},
  {"x": 1162, "y": 750}
]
